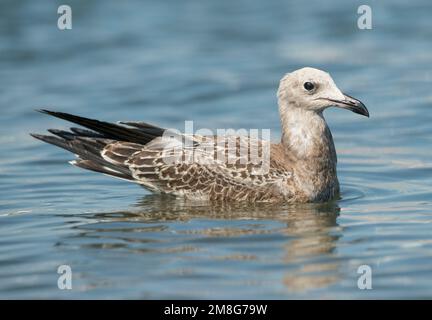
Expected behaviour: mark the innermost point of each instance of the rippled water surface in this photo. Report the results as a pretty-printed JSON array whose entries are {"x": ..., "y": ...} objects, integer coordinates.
[{"x": 217, "y": 63}]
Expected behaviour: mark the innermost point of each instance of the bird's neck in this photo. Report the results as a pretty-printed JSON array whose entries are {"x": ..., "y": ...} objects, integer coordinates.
[
  {"x": 305, "y": 134},
  {"x": 307, "y": 140}
]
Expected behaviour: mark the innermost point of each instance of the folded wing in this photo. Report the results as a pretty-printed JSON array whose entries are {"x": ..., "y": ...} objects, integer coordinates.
[{"x": 195, "y": 167}]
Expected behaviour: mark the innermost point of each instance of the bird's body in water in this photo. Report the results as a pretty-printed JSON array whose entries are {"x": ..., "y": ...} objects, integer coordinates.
[{"x": 300, "y": 168}]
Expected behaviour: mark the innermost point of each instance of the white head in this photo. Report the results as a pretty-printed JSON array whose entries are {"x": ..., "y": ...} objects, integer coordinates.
[{"x": 314, "y": 90}]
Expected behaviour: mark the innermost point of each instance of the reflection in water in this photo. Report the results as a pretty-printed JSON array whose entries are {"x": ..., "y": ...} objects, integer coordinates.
[
  {"x": 315, "y": 239},
  {"x": 168, "y": 226}
]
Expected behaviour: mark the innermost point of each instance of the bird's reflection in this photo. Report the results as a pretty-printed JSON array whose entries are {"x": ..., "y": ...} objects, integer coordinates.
[{"x": 310, "y": 231}]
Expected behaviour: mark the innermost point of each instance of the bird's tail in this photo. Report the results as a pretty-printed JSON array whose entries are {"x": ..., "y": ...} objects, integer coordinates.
[
  {"x": 88, "y": 145},
  {"x": 137, "y": 132}
]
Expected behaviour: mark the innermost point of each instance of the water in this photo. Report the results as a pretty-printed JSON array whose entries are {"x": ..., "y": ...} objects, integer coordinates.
[{"x": 214, "y": 62}]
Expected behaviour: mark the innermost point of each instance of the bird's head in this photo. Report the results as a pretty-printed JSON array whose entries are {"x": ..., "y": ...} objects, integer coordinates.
[{"x": 315, "y": 90}]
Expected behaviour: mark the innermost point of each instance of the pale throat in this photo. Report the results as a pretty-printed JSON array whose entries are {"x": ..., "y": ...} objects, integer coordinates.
[{"x": 306, "y": 135}]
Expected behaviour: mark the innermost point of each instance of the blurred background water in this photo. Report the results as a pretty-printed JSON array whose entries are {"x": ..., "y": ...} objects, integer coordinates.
[{"x": 217, "y": 63}]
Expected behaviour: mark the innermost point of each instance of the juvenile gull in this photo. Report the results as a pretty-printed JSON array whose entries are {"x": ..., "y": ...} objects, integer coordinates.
[{"x": 301, "y": 167}]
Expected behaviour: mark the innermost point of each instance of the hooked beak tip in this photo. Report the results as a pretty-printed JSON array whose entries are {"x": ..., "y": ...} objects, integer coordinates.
[
  {"x": 352, "y": 104},
  {"x": 360, "y": 109}
]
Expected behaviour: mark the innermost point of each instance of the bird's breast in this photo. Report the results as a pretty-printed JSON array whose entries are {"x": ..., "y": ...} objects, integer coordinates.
[{"x": 316, "y": 181}]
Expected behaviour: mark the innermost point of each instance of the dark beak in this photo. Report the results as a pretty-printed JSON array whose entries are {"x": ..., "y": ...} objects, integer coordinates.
[{"x": 352, "y": 104}]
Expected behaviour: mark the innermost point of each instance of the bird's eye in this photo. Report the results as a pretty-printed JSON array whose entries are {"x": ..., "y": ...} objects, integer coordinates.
[{"x": 309, "y": 86}]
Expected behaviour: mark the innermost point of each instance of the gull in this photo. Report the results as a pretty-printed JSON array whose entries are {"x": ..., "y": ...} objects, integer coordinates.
[{"x": 300, "y": 168}]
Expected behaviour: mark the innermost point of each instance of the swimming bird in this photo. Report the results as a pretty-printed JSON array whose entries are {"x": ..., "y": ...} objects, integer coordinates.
[{"x": 300, "y": 168}]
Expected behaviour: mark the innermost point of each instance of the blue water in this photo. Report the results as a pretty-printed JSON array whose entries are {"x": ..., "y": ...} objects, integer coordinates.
[{"x": 217, "y": 63}]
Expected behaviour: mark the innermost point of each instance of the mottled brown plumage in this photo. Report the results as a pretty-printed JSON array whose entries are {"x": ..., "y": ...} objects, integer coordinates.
[{"x": 301, "y": 168}]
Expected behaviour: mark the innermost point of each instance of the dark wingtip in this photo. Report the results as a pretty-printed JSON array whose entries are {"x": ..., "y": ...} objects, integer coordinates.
[
  {"x": 46, "y": 111},
  {"x": 40, "y": 137},
  {"x": 36, "y": 136},
  {"x": 62, "y": 134}
]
